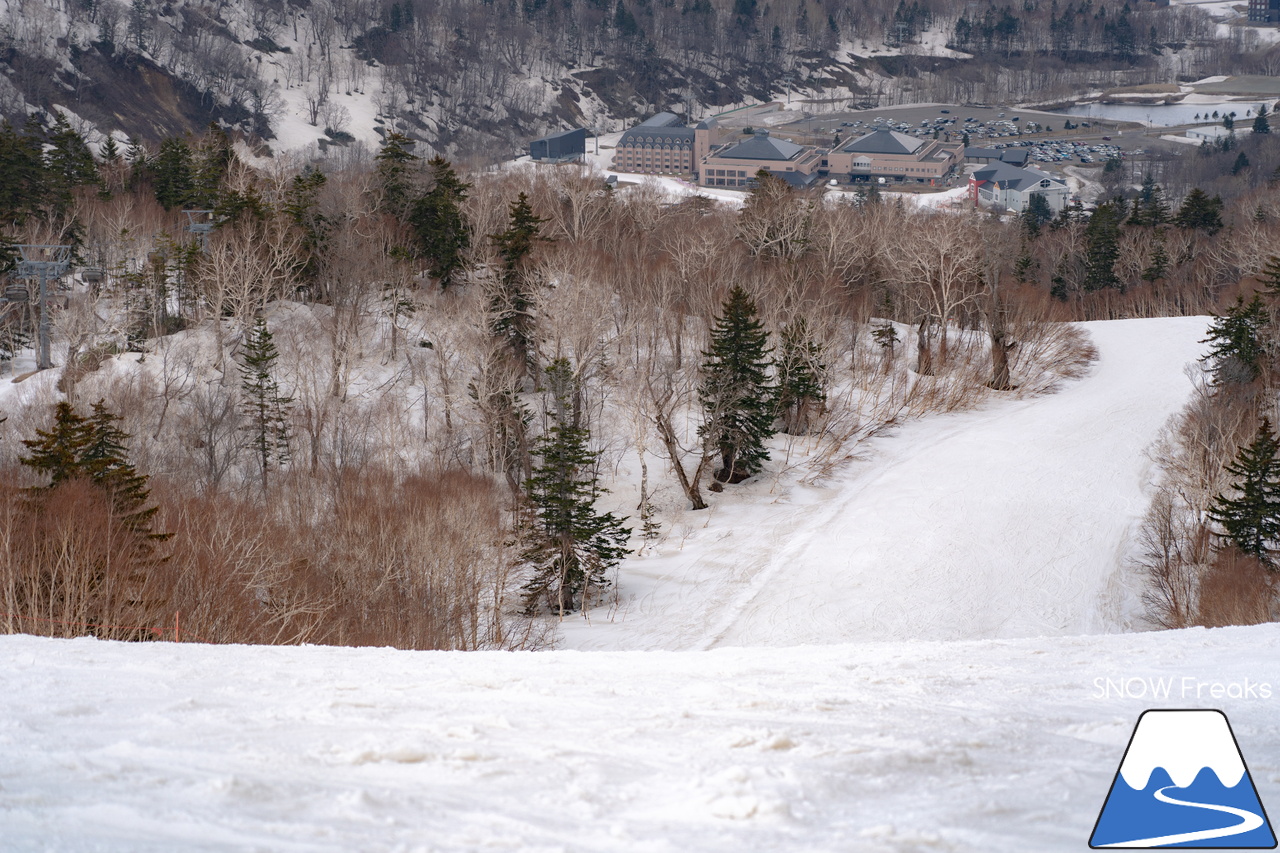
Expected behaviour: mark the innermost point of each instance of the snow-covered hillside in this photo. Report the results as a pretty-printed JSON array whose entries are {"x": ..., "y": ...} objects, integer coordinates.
[
  {"x": 1011, "y": 521},
  {"x": 947, "y": 536}
]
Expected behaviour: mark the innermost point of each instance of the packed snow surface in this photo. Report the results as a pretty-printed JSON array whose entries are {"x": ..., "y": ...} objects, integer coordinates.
[
  {"x": 1013, "y": 520},
  {"x": 961, "y": 575},
  {"x": 990, "y": 746}
]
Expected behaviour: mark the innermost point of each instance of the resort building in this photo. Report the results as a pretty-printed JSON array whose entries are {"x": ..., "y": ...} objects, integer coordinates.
[
  {"x": 736, "y": 163},
  {"x": 659, "y": 146},
  {"x": 887, "y": 154},
  {"x": 1006, "y": 186}
]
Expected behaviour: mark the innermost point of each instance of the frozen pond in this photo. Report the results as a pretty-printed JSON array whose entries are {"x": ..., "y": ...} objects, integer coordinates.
[{"x": 1166, "y": 115}]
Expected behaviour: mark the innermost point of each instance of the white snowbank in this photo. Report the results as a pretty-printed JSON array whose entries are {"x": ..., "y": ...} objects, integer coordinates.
[{"x": 995, "y": 746}]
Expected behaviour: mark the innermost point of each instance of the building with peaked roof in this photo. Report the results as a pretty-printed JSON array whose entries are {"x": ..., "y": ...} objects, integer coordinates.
[
  {"x": 884, "y": 153},
  {"x": 560, "y": 147},
  {"x": 736, "y": 163},
  {"x": 1006, "y": 186},
  {"x": 661, "y": 145},
  {"x": 1012, "y": 156}
]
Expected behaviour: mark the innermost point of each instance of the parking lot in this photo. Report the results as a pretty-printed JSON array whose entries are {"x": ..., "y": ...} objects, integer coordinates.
[{"x": 1050, "y": 139}]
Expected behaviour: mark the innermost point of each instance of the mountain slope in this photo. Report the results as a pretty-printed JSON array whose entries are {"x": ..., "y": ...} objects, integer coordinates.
[{"x": 1013, "y": 520}]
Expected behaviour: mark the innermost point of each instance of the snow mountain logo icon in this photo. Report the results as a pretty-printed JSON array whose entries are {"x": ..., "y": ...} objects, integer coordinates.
[{"x": 1183, "y": 783}]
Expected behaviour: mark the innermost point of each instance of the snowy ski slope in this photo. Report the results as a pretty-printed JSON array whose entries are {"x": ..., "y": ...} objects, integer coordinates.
[
  {"x": 964, "y": 579},
  {"x": 1010, "y": 521}
]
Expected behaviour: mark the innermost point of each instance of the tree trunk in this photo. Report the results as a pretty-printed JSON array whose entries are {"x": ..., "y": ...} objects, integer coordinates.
[
  {"x": 691, "y": 487},
  {"x": 924, "y": 355}
]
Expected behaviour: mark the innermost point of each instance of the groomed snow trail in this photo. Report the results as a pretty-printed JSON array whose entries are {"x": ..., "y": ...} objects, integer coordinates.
[
  {"x": 997, "y": 746},
  {"x": 1014, "y": 520}
]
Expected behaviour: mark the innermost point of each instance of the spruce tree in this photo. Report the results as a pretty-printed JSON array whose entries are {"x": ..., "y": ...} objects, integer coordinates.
[
  {"x": 93, "y": 449},
  {"x": 1237, "y": 350},
  {"x": 801, "y": 378},
  {"x": 1241, "y": 163},
  {"x": 172, "y": 173},
  {"x": 396, "y": 169},
  {"x": 511, "y": 305},
  {"x": 265, "y": 405},
  {"x": 442, "y": 231},
  {"x": 1158, "y": 267},
  {"x": 69, "y": 163},
  {"x": 1270, "y": 276},
  {"x": 1037, "y": 214},
  {"x": 1102, "y": 247},
  {"x": 1261, "y": 124},
  {"x": 1251, "y": 520},
  {"x": 1200, "y": 211},
  {"x": 23, "y": 184},
  {"x": 737, "y": 398},
  {"x": 570, "y": 546},
  {"x": 110, "y": 150},
  {"x": 58, "y": 452},
  {"x": 1149, "y": 208},
  {"x": 211, "y": 161}
]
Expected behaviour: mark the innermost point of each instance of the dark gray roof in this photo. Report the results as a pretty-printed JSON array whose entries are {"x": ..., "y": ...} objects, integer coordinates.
[
  {"x": 1016, "y": 156},
  {"x": 883, "y": 141},
  {"x": 1012, "y": 178},
  {"x": 799, "y": 180},
  {"x": 560, "y": 134},
  {"x": 707, "y": 124},
  {"x": 978, "y": 152},
  {"x": 662, "y": 120},
  {"x": 761, "y": 146},
  {"x": 662, "y": 129}
]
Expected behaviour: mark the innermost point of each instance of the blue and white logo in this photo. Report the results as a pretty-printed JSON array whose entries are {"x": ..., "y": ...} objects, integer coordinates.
[{"x": 1183, "y": 783}]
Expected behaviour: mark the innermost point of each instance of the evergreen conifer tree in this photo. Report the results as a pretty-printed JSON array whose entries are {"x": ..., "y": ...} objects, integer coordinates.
[
  {"x": 1102, "y": 247},
  {"x": 1237, "y": 350},
  {"x": 58, "y": 452},
  {"x": 23, "y": 184},
  {"x": 69, "y": 162},
  {"x": 1150, "y": 210},
  {"x": 1261, "y": 123},
  {"x": 511, "y": 305},
  {"x": 1158, "y": 267},
  {"x": 396, "y": 168},
  {"x": 737, "y": 398},
  {"x": 1200, "y": 211},
  {"x": 801, "y": 378},
  {"x": 267, "y": 408},
  {"x": 1251, "y": 520},
  {"x": 442, "y": 231},
  {"x": 1037, "y": 214},
  {"x": 109, "y": 151},
  {"x": 172, "y": 173},
  {"x": 94, "y": 449},
  {"x": 570, "y": 546},
  {"x": 1241, "y": 163},
  {"x": 1270, "y": 276},
  {"x": 210, "y": 163}
]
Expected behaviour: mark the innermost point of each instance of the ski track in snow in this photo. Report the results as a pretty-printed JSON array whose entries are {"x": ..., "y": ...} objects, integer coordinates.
[{"x": 1013, "y": 520}]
